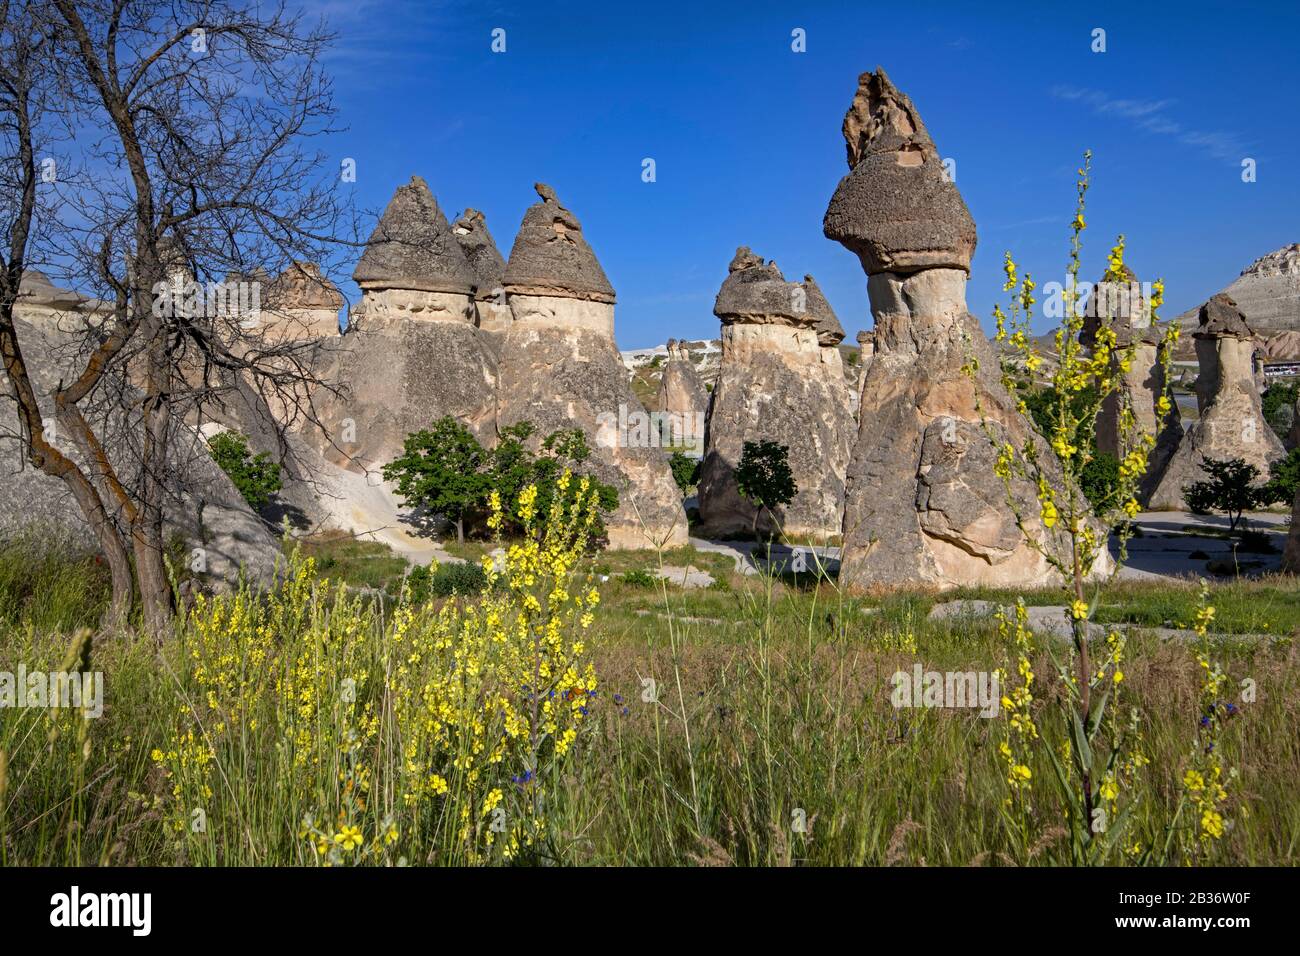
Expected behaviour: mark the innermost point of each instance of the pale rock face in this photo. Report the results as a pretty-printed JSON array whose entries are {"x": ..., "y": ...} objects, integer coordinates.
[
  {"x": 1268, "y": 292},
  {"x": 492, "y": 316},
  {"x": 1140, "y": 388},
  {"x": 549, "y": 311},
  {"x": 776, "y": 382},
  {"x": 1231, "y": 421},
  {"x": 559, "y": 369},
  {"x": 300, "y": 323},
  {"x": 396, "y": 373},
  {"x": 683, "y": 399},
  {"x": 382, "y": 305},
  {"x": 923, "y": 505}
]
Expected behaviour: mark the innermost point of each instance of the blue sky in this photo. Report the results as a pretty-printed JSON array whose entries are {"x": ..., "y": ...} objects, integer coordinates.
[{"x": 745, "y": 133}]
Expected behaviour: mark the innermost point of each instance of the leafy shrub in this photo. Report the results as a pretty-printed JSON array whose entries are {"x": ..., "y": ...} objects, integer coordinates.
[
  {"x": 446, "y": 471},
  {"x": 1230, "y": 487},
  {"x": 638, "y": 578},
  {"x": 256, "y": 476},
  {"x": 1278, "y": 403},
  {"x": 457, "y": 578},
  {"x": 686, "y": 471}
]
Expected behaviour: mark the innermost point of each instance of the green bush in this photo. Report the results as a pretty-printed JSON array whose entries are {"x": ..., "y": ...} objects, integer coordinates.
[
  {"x": 456, "y": 578},
  {"x": 638, "y": 578},
  {"x": 256, "y": 476},
  {"x": 686, "y": 471}
]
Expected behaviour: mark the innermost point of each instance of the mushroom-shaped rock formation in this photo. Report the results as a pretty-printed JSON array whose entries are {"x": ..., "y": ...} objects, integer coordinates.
[
  {"x": 412, "y": 353},
  {"x": 781, "y": 379},
  {"x": 471, "y": 231},
  {"x": 1119, "y": 305},
  {"x": 1231, "y": 422},
  {"x": 897, "y": 209},
  {"x": 560, "y": 369},
  {"x": 923, "y": 503},
  {"x": 682, "y": 402},
  {"x": 303, "y": 303},
  {"x": 413, "y": 266}
]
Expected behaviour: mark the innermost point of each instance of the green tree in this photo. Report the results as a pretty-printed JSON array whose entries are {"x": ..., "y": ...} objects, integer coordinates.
[
  {"x": 563, "y": 450},
  {"x": 686, "y": 471},
  {"x": 256, "y": 476},
  {"x": 1284, "y": 479},
  {"x": 442, "y": 470},
  {"x": 1230, "y": 487},
  {"x": 511, "y": 464},
  {"x": 1278, "y": 403},
  {"x": 763, "y": 477}
]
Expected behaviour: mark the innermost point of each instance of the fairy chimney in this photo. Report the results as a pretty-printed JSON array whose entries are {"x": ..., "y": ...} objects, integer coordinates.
[
  {"x": 1117, "y": 304},
  {"x": 491, "y": 311},
  {"x": 413, "y": 267},
  {"x": 412, "y": 353},
  {"x": 780, "y": 379},
  {"x": 302, "y": 303},
  {"x": 682, "y": 401},
  {"x": 923, "y": 503},
  {"x": 560, "y": 369},
  {"x": 1231, "y": 422}
]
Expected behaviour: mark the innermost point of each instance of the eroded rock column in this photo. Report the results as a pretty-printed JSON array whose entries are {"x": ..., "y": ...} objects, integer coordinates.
[
  {"x": 923, "y": 503},
  {"x": 560, "y": 369},
  {"x": 781, "y": 379}
]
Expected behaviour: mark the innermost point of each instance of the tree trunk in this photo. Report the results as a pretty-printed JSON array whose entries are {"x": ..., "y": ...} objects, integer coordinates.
[
  {"x": 147, "y": 533},
  {"x": 460, "y": 530},
  {"x": 54, "y": 463}
]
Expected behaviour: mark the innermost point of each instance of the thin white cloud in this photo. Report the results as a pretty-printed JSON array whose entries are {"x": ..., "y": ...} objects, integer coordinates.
[{"x": 1151, "y": 116}]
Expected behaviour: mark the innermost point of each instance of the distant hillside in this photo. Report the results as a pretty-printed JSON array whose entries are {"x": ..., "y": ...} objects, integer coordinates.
[{"x": 645, "y": 366}]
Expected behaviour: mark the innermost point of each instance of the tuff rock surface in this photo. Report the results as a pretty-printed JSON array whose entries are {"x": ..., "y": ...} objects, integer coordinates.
[
  {"x": 1267, "y": 292},
  {"x": 1121, "y": 307},
  {"x": 923, "y": 504},
  {"x": 683, "y": 400},
  {"x": 203, "y": 507},
  {"x": 1231, "y": 423},
  {"x": 782, "y": 379},
  {"x": 491, "y": 309},
  {"x": 897, "y": 208},
  {"x": 560, "y": 369}
]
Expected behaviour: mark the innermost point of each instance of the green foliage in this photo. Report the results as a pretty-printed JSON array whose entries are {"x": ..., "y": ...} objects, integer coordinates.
[
  {"x": 1099, "y": 477},
  {"x": 441, "y": 469},
  {"x": 446, "y": 471},
  {"x": 1230, "y": 487},
  {"x": 763, "y": 476},
  {"x": 686, "y": 471},
  {"x": 1284, "y": 480},
  {"x": 1099, "y": 480},
  {"x": 50, "y": 584},
  {"x": 1279, "y": 403},
  {"x": 567, "y": 450},
  {"x": 256, "y": 476},
  {"x": 638, "y": 578},
  {"x": 444, "y": 580}
]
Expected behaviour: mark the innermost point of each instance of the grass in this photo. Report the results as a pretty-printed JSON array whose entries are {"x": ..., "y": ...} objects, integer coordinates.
[
  {"x": 769, "y": 738},
  {"x": 344, "y": 559}
]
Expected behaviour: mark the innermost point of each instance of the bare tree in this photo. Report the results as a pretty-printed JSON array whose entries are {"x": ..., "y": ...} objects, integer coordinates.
[
  {"x": 25, "y": 92},
  {"x": 193, "y": 123}
]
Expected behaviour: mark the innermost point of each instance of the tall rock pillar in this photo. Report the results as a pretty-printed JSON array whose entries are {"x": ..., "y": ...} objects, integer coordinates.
[
  {"x": 923, "y": 504},
  {"x": 560, "y": 369}
]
